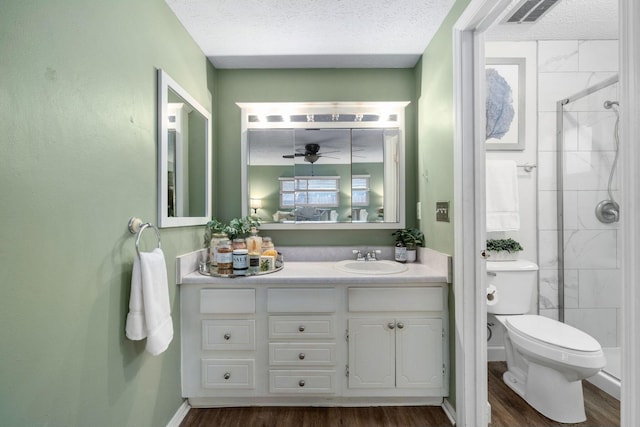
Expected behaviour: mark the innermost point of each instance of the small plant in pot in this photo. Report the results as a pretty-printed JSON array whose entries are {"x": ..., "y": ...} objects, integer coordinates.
[
  {"x": 407, "y": 242},
  {"x": 503, "y": 249}
]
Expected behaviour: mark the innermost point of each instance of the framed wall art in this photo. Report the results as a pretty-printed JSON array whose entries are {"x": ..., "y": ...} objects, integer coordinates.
[{"x": 505, "y": 104}]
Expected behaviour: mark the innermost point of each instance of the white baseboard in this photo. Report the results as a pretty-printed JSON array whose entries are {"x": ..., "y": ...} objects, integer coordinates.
[
  {"x": 449, "y": 411},
  {"x": 180, "y": 414},
  {"x": 496, "y": 354}
]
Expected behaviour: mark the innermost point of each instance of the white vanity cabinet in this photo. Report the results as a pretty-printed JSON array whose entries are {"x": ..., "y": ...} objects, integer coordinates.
[
  {"x": 292, "y": 343},
  {"x": 397, "y": 341},
  {"x": 218, "y": 342},
  {"x": 302, "y": 340}
]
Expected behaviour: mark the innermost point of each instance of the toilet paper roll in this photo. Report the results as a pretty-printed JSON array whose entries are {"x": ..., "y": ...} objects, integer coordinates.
[{"x": 492, "y": 295}]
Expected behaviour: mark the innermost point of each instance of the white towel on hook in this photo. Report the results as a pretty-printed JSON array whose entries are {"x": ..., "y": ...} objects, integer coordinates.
[
  {"x": 502, "y": 200},
  {"x": 149, "y": 309}
]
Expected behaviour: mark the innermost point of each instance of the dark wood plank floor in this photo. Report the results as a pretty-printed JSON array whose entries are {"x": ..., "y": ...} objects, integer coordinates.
[
  {"x": 383, "y": 416},
  {"x": 508, "y": 410}
]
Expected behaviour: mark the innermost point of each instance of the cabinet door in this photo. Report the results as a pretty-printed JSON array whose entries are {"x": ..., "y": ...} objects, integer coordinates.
[
  {"x": 419, "y": 353},
  {"x": 371, "y": 353}
]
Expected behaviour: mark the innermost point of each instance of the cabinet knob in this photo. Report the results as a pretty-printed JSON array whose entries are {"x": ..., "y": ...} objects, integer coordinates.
[
  {"x": 227, "y": 336},
  {"x": 301, "y": 356},
  {"x": 301, "y": 328},
  {"x": 400, "y": 325},
  {"x": 391, "y": 325},
  {"x": 226, "y": 375},
  {"x": 301, "y": 383}
]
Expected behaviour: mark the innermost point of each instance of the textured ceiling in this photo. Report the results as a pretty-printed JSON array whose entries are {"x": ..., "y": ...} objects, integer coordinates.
[
  {"x": 312, "y": 33},
  {"x": 569, "y": 20},
  {"x": 358, "y": 33}
]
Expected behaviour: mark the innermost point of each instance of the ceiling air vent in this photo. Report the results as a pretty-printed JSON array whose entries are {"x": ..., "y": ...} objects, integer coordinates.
[{"x": 529, "y": 11}]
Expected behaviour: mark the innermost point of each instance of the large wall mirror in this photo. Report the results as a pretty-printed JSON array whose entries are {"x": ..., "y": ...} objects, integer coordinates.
[
  {"x": 324, "y": 165},
  {"x": 184, "y": 157}
]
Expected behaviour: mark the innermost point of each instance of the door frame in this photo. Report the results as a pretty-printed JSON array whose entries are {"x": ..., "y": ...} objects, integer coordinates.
[{"x": 469, "y": 162}]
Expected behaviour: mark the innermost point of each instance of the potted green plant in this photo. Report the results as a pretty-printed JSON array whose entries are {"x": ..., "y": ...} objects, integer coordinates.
[
  {"x": 237, "y": 228},
  {"x": 503, "y": 249},
  {"x": 407, "y": 242},
  {"x": 241, "y": 227}
]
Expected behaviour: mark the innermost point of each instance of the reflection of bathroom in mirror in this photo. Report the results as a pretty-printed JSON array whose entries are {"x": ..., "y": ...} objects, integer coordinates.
[
  {"x": 184, "y": 157},
  {"x": 324, "y": 165}
]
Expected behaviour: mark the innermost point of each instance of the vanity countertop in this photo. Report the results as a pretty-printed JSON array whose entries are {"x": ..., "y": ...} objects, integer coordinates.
[{"x": 324, "y": 273}]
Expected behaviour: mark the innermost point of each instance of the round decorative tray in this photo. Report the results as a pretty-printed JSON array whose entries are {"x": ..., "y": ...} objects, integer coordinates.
[{"x": 205, "y": 268}]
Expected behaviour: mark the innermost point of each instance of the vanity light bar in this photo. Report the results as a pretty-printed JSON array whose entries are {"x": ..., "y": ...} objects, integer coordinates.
[{"x": 322, "y": 118}]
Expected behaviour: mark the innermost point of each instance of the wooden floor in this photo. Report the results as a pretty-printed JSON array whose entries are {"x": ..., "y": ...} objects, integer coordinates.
[
  {"x": 508, "y": 410},
  {"x": 383, "y": 416}
]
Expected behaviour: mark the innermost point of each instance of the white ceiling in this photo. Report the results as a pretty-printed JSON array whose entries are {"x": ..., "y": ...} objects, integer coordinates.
[
  {"x": 312, "y": 33},
  {"x": 354, "y": 34}
]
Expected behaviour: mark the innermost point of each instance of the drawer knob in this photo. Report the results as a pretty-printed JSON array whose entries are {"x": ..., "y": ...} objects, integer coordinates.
[
  {"x": 400, "y": 325},
  {"x": 391, "y": 325},
  {"x": 301, "y": 328},
  {"x": 226, "y": 375},
  {"x": 227, "y": 336},
  {"x": 301, "y": 383},
  {"x": 301, "y": 356}
]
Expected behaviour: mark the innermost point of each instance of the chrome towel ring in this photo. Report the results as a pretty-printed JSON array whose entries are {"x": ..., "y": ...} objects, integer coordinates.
[{"x": 136, "y": 226}]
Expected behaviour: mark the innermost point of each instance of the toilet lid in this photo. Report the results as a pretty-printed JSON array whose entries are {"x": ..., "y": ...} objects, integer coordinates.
[{"x": 554, "y": 332}]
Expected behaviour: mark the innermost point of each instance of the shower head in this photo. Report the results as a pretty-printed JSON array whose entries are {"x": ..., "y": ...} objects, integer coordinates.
[{"x": 609, "y": 104}]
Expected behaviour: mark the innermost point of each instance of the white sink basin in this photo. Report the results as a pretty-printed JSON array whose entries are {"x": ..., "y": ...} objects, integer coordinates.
[{"x": 371, "y": 267}]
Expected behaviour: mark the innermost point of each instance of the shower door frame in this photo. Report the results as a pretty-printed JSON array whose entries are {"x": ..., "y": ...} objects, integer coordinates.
[{"x": 560, "y": 178}]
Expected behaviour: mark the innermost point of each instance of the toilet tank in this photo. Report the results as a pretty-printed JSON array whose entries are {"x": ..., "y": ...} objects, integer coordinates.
[{"x": 515, "y": 286}]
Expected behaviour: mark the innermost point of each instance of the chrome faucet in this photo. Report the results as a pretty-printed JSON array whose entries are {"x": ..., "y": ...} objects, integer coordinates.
[
  {"x": 359, "y": 256},
  {"x": 372, "y": 255}
]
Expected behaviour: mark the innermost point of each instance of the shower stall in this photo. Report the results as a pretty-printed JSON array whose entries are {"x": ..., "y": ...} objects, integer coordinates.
[{"x": 589, "y": 208}]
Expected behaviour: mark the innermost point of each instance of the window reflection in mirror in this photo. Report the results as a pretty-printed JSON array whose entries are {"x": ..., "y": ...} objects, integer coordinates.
[
  {"x": 324, "y": 170},
  {"x": 184, "y": 163}
]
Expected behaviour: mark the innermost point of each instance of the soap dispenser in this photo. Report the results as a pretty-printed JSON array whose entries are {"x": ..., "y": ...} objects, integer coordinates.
[{"x": 254, "y": 246}]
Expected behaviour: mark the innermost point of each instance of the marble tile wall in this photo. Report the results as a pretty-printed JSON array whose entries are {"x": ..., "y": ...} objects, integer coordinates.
[{"x": 592, "y": 261}]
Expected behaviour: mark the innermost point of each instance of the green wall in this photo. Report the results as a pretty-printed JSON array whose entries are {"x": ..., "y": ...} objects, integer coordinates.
[
  {"x": 77, "y": 160},
  {"x": 309, "y": 85},
  {"x": 435, "y": 151}
]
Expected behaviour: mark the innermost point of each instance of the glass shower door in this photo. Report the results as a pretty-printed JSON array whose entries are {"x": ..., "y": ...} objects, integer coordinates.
[{"x": 589, "y": 245}]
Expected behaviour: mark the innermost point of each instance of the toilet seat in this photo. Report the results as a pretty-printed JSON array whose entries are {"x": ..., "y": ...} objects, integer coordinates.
[
  {"x": 541, "y": 345},
  {"x": 553, "y": 333}
]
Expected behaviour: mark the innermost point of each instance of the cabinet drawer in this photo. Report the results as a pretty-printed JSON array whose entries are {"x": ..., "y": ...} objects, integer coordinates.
[
  {"x": 228, "y": 334},
  {"x": 297, "y": 300},
  {"x": 396, "y": 299},
  {"x": 298, "y": 381},
  {"x": 218, "y": 373},
  {"x": 291, "y": 327},
  {"x": 303, "y": 354},
  {"x": 223, "y": 301}
]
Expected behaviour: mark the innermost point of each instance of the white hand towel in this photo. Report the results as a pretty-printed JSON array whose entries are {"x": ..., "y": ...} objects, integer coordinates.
[
  {"x": 149, "y": 309},
  {"x": 502, "y": 200}
]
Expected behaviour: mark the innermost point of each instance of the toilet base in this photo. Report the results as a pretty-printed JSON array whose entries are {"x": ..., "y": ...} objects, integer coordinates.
[{"x": 549, "y": 393}]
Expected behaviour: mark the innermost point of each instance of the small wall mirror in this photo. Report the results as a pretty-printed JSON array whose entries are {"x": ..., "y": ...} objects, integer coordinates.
[
  {"x": 322, "y": 166},
  {"x": 184, "y": 156}
]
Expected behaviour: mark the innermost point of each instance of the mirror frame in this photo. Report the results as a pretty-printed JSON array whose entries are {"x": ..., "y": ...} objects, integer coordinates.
[
  {"x": 289, "y": 108},
  {"x": 165, "y": 82}
]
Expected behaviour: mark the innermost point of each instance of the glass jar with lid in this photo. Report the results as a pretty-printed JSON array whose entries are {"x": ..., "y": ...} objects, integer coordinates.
[
  {"x": 267, "y": 244},
  {"x": 239, "y": 244},
  {"x": 225, "y": 257},
  {"x": 213, "y": 247}
]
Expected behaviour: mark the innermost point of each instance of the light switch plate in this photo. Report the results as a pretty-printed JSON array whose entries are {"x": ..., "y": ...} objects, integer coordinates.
[
  {"x": 419, "y": 211},
  {"x": 442, "y": 211}
]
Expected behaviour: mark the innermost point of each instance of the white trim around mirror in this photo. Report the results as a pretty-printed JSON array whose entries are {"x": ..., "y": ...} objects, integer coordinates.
[
  {"x": 288, "y": 108},
  {"x": 165, "y": 82}
]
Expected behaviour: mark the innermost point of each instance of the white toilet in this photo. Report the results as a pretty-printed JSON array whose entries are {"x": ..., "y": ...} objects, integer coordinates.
[{"x": 546, "y": 359}]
